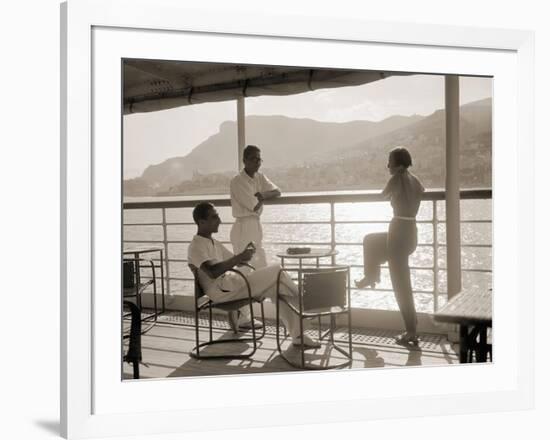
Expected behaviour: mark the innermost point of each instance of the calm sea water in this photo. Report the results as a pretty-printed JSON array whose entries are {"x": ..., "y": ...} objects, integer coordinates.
[{"x": 277, "y": 237}]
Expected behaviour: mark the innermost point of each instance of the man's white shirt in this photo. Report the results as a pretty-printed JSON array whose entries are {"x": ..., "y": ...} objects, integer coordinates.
[
  {"x": 203, "y": 249},
  {"x": 242, "y": 189}
]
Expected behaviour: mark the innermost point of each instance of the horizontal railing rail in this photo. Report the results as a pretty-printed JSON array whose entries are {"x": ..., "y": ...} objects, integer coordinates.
[
  {"x": 330, "y": 198},
  {"x": 299, "y": 198}
]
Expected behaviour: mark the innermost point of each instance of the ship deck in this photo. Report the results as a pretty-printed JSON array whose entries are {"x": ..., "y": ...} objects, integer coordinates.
[{"x": 167, "y": 344}]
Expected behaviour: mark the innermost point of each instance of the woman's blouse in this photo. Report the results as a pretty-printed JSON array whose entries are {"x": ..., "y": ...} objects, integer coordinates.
[{"x": 405, "y": 193}]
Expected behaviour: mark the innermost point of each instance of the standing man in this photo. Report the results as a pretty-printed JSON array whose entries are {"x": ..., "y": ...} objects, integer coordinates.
[{"x": 248, "y": 191}]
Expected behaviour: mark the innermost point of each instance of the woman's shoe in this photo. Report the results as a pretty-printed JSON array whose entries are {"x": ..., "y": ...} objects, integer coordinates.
[
  {"x": 406, "y": 339},
  {"x": 364, "y": 283}
]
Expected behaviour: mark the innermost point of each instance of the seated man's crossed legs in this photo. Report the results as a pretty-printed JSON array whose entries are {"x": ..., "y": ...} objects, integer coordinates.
[{"x": 263, "y": 284}]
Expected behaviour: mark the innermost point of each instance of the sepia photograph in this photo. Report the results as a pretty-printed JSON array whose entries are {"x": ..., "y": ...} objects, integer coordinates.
[
  {"x": 281, "y": 219},
  {"x": 300, "y": 218}
]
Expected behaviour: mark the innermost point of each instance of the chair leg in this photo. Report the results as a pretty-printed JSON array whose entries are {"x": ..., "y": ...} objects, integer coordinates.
[
  {"x": 263, "y": 321},
  {"x": 350, "y": 342},
  {"x": 197, "y": 343},
  {"x": 155, "y": 297},
  {"x": 136, "y": 369},
  {"x": 303, "y": 354},
  {"x": 302, "y": 365},
  {"x": 253, "y": 327},
  {"x": 210, "y": 322},
  {"x": 196, "y": 354},
  {"x": 277, "y": 329},
  {"x": 332, "y": 326}
]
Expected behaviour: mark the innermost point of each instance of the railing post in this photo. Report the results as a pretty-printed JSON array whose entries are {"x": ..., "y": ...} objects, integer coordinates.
[
  {"x": 166, "y": 256},
  {"x": 436, "y": 255},
  {"x": 452, "y": 185},
  {"x": 332, "y": 232},
  {"x": 241, "y": 133}
]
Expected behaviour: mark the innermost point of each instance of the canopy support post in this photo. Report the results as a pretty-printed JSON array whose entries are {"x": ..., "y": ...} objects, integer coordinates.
[
  {"x": 240, "y": 131},
  {"x": 452, "y": 185}
]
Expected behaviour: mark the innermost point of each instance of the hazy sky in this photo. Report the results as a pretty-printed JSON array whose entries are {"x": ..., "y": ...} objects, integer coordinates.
[{"x": 150, "y": 138}]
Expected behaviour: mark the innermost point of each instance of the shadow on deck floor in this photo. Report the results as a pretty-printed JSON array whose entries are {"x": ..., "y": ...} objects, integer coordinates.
[{"x": 167, "y": 344}]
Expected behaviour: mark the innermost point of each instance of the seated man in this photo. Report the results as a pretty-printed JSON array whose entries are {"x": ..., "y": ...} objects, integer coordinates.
[{"x": 214, "y": 260}]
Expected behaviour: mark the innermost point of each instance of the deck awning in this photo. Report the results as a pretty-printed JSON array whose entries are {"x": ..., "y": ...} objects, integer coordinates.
[{"x": 151, "y": 85}]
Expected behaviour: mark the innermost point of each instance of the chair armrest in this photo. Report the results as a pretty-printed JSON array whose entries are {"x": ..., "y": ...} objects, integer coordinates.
[
  {"x": 146, "y": 260},
  {"x": 247, "y": 265},
  {"x": 149, "y": 262},
  {"x": 238, "y": 272}
]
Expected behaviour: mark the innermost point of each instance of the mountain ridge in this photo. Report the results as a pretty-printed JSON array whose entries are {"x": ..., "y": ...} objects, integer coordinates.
[
  {"x": 358, "y": 147},
  {"x": 282, "y": 140}
]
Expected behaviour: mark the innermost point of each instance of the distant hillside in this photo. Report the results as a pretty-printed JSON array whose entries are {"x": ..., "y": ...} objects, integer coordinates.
[
  {"x": 284, "y": 142},
  {"x": 307, "y": 155},
  {"x": 425, "y": 140}
]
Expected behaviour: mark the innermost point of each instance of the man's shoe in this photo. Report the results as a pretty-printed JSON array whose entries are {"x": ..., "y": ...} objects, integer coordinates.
[
  {"x": 247, "y": 325},
  {"x": 233, "y": 318},
  {"x": 406, "y": 339},
  {"x": 308, "y": 342}
]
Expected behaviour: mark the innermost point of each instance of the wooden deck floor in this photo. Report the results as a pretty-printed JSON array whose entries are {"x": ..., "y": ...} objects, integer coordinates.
[{"x": 166, "y": 347}]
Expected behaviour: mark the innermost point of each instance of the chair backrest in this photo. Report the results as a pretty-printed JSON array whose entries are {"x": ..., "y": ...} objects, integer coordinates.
[
  {"x": 128, "y": 274},
  {"x": 198, "y": 289},
  {"x": 324, "y": 288}
]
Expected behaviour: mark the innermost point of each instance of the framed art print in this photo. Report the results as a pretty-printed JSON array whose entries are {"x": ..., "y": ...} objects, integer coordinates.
[{"x": 378, "y": 180}]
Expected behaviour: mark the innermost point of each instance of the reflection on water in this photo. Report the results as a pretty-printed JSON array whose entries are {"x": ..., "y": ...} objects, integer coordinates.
[{"x": 348, "y": 237}]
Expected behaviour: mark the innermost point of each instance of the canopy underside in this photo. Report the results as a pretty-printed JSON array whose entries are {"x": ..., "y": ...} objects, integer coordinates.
[{"x": 151, "y": 85}]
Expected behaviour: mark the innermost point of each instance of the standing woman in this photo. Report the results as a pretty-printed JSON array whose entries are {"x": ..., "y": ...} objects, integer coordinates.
[{"x": 405, "y": 193}]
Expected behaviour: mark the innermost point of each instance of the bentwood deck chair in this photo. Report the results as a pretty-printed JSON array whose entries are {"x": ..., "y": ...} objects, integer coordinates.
[
  {"x": 323, "y": 293},
  {"x": 203, "y": 303}
]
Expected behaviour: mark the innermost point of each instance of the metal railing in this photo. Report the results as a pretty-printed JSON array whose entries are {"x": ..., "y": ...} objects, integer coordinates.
[{"x": 332, "y": 199}]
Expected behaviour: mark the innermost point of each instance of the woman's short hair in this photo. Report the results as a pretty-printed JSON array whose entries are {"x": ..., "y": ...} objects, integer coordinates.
[
  {"x": 401, "y": 156},
  {"x": 200, "y": 212},
  {"x": 249, "y": 151}
]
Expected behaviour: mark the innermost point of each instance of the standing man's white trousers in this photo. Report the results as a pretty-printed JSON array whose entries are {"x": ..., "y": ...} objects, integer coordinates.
[{"x": 245, "y": 230}]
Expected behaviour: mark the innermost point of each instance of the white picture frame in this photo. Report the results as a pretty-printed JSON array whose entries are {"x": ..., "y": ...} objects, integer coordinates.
[{"x": 92, "y": 405}]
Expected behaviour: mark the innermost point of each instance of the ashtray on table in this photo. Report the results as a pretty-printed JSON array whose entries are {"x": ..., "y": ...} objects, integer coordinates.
[{"x": 298, "y": 250}]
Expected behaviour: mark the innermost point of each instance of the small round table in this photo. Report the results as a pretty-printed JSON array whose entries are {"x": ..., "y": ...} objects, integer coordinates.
[{"x": 315, "y": 253}]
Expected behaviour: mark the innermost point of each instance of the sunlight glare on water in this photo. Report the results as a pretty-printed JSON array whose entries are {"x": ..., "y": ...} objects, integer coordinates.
[{"x": 370, "y": 217}]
